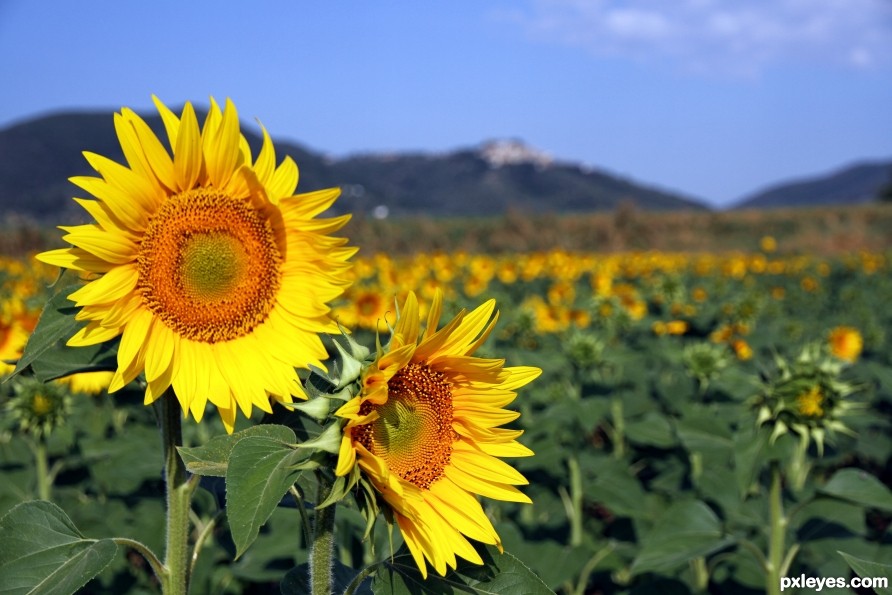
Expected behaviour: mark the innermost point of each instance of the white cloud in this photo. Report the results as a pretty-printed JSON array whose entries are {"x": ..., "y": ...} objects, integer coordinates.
[{"x": 725, "y": 36}]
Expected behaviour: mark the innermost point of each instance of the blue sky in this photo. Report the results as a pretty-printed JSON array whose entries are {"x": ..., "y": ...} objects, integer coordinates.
[{"x": 714, "y": 99}]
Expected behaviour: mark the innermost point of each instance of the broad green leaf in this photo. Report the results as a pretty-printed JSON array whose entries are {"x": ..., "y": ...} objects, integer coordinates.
[
  {"x": 859, "y": 487},
  {"x": 56, "y": 324},
  {"x": 703, "y": 432},
  {"x": 500, "y": 574},
  {"x": 259, "y": 474},
  {"x": 43, "y": 552},
  {"x": 615, "y": 488},
  {"x": 685, "y": 531},
  {"x": 871, "y": 570},
  {"x": 652, "y": 429},
  {"x": 212, "y": 458},
  {"x": 60, "y": 361},
  {"x": 750, "y": 455}
]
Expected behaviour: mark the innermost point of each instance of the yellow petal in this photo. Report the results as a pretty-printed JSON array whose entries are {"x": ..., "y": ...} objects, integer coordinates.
[
  {"x": 75, "y": 259},
  {"x": 158, "y": 158},
  {"x": 220, "y": 146},
  {"x": 112, "y": 247},
  {"x": 474, "y": 484},
  {"x": 171, "y": 122},
  {"x": 93, "y": 334},
  {"x": 159, "y": 351},
  {"x": 128, "y": 212},
  {"x": 187, "y": 154},
  {"x": 108, "y": 288},
  {"x": 283, "y": 182}
]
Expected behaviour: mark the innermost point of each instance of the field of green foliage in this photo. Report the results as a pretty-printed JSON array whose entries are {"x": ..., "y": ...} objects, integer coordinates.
[{"x": 703, "y": 423}]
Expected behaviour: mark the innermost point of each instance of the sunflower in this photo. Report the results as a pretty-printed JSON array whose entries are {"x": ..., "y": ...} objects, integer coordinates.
[
  {"x": 213, "y": 273},
  {"x": 846, "y": 343},
  {"x": 425, "y": 431}
]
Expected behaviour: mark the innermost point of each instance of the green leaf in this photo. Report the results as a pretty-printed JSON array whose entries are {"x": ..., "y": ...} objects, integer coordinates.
[
  {"x": 60, "y": 361},
  {"x": 860, "y": 487},
  {"x": 43, "y": 552},
  {"x": 866, "y": 569},
  {"x": 750, "y": 455},
  {"x": 56, "y": 323},
  {"x": 685, "y": 531},
  {"x": 500, "y": 574},
  {"x": 259, "y": 474},
  {"x": 652, "y": 429},
  {"x": 212, "y": 458},
  {"x": 703, "y": 432}
]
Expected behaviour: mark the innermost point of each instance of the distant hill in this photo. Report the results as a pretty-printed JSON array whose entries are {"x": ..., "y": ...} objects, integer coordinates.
[
  {"x": 38, "y": 156},
  {"x": 856, "y": 184}
]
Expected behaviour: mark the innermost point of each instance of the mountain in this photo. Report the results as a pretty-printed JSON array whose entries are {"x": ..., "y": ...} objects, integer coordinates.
[
  {"x": 38, "y": 156},
  {"x": 858, "y": 183}
]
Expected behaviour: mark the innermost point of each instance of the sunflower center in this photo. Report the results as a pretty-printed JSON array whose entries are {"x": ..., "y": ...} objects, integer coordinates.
[
  {"x": 811, "y": 403},
  {"x": 209, "y": 266},
  {"x": 413, "y": 432}
]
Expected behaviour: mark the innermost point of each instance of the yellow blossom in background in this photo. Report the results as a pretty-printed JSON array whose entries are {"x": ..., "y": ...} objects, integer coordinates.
[
  {"x": 768, "y": 244},
  {"x": 203, "y": 257},
  {"x": 742, "y": 350},
  {"x": 425, "y": 431},
  {"x": 676, "y": 327},
  {"x": 365, "y": 308},
  {"x": 13, "y": 337},
  {"x": 846, "y": 343}
]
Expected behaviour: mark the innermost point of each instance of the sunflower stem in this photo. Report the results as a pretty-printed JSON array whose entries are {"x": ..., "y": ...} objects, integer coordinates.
[
  {"x": 44, "y": 481},
  {"x": 619, "y": 428},
  {"x": 575, "y": 501},
  {"x": 321, "y": 556},
  {"x": 179, "y": 497},
  {"x": 778, "y": 528}
]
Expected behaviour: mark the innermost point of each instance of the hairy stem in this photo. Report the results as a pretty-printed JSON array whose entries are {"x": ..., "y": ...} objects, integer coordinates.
[
  {"x": 179, "y": 498},
  {"x": 321, "y": 556}
]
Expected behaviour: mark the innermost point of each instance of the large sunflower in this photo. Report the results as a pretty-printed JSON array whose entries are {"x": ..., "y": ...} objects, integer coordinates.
[
  {"x": 213, "y": 273},
  {"x": 425, "y": 431}
]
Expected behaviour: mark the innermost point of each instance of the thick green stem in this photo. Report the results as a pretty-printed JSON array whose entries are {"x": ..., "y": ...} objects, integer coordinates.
[
  {"x": 179, "y": 497},
  {"x": 323, "y": 541},
  {"x": 619, "y": 427},
  {"x": 778, "y": 528},
  {"x": 44, "y": 481},
  {"x": 575, "y": 502}
]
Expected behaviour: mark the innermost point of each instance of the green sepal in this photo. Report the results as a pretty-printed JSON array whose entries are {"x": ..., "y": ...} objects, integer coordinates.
[
  {"x": 318, "y": 407},
  {"x": 328, "y": 441}
]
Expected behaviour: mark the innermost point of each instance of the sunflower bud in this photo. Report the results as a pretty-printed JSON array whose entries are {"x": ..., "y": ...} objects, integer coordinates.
[
  {"x": 37, "y": 407},
  {"x": 806, "y": 396}
]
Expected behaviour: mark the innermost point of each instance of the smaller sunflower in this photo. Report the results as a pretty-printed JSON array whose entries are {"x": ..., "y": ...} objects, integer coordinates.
[
  {"x": 424, "y": 430},
  {"x": 846, "y": 343}
]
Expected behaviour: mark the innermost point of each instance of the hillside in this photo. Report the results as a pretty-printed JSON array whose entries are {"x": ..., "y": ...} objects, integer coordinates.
[
  {"x": 856, "y": 184},
  {"x": 38, "y": 156}
]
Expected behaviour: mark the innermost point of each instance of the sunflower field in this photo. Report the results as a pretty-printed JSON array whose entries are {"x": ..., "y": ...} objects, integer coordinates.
[
  {"x": 699, "y": 418},
  {"x": 208, "y": 390}
]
